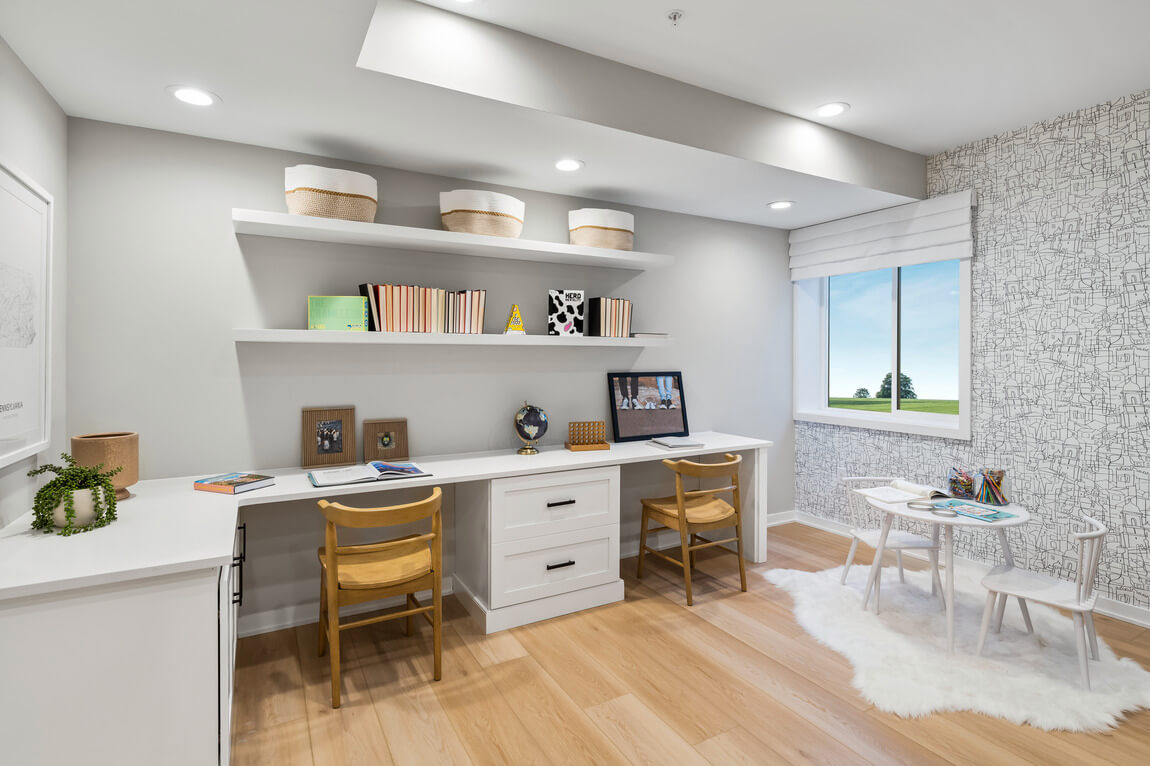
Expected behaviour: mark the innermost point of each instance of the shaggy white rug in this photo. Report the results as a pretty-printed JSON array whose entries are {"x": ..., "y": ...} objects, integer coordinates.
[{"x": 901, "y": 664}]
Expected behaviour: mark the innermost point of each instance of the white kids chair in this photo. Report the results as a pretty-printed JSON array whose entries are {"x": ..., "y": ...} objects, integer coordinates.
[
  {"x": 1077, "y": 597},
  {"x": 865, "y": 523}
]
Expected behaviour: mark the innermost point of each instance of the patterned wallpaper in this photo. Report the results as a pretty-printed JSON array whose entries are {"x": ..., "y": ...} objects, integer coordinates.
[{"x": 1061, "y": 351}]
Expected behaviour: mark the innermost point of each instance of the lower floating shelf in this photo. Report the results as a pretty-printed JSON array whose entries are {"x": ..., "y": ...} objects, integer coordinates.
[{"x": 244, "y": 335}]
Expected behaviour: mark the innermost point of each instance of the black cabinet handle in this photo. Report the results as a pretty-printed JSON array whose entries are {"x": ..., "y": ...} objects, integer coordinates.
[
  {"x": 560, "y": 566},
  {"x": 243, "y": 529},
  {"x": 238, "y": 595},
  {"x": 558, "y": 503}
]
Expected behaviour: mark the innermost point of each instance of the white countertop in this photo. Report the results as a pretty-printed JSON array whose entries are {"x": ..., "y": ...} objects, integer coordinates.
[{"x": 168, "y": 527}]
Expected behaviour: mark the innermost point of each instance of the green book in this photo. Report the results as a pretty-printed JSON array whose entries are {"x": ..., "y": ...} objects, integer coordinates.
[{"x": 337, "y": 312}]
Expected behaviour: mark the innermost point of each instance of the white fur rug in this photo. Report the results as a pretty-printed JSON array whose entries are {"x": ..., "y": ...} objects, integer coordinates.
[{"x": 902, "y": 667}]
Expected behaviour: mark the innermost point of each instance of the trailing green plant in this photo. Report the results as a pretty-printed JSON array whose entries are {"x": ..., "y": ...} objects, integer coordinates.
[{"x": 70, "y": 478}]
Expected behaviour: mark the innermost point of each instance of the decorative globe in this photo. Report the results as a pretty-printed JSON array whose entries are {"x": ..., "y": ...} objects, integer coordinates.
[{"x": 530, "y": 426}]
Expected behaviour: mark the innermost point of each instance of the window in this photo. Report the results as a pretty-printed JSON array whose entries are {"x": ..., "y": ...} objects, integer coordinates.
[{"x": 882, "y": 319}]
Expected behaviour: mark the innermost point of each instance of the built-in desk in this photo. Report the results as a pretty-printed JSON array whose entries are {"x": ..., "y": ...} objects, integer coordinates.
[{"x": 124, "y": 636}]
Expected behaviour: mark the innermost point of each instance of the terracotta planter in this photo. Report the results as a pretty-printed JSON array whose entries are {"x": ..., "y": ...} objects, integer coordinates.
[
  {"x": 82, "y": 504},
  {"x": 113, "y": 449}
]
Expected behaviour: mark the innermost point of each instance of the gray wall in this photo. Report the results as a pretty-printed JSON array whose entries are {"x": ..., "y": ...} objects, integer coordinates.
[
  {"x": 1061, "y": 324},
  {"x": 158, "y": 281},
  {"x": 33, "y": 140}
]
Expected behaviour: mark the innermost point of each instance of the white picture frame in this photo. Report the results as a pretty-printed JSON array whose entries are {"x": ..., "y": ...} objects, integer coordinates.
[{"x": 26, "y": 211}]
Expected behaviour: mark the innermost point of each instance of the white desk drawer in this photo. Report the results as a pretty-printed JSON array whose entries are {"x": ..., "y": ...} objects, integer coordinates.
[
  {"x": 524, "y": 570},
  {"x": 550, "y": 503}
]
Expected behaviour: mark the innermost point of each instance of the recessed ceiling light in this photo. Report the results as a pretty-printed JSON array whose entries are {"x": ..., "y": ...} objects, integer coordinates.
[
  {"x": 193, "y": 96},
  {"x": 569, "y": 165},
  {"x": 781, "y": 204},
  {"x": 833, "y": 109}
]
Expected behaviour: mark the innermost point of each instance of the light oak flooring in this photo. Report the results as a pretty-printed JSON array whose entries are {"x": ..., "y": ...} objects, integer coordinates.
[{"x": 731, "y": 680}]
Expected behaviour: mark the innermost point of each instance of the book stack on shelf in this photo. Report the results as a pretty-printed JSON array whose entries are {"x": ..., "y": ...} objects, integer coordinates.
[
  {"x": 411, "y": 308},
  {"x": 609, "y": 317}
]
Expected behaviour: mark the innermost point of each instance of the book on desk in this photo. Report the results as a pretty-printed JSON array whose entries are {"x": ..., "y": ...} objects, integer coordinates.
[{"x": 376, "y": 470}]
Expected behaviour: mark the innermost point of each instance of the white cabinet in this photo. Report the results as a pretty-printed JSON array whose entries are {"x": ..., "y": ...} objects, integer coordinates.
[
  {"x": 125, "y": 673},
  {"x": 533, "y": 547}
]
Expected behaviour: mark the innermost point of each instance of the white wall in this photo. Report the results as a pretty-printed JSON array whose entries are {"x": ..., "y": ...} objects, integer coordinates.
[
  {"x": 159, "y": 279},
  {"x": 33, "y": 140}
]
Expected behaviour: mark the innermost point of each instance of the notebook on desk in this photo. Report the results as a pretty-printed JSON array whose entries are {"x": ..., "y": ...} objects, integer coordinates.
[{"x": 676, "y": 442}]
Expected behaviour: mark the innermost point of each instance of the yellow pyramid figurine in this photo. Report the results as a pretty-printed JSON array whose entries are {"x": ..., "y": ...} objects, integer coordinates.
[{"x": 514, "y": 322}]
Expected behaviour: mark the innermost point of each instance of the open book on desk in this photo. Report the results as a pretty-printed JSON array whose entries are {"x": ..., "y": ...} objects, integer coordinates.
[
  {"x": 899, "y": 491},
  {"x": 376, "y": 470}
]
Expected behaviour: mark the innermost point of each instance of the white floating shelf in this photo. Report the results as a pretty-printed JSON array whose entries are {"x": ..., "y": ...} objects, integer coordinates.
[
  {"x": 244, "y": 335},
  {"x": 266, "y": 224}
]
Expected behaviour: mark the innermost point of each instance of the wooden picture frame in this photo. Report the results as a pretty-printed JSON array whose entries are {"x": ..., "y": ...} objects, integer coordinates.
[
  {"x": 654, "y": 416},
  {"x": 328, "y": 437},
  {"x": 27, "y": 210},
  {"x": 385, "y": 440}
]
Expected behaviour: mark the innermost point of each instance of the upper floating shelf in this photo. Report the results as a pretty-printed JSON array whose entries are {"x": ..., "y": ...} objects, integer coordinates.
[{"x": 286, "y": 226}]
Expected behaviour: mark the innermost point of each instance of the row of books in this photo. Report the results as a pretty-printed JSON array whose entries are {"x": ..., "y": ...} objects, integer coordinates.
[
  {"x": 411, "y": 308},
  {"x": 609, "y": 317}
]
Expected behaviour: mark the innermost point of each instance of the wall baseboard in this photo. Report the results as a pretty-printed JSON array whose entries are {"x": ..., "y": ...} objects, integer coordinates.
[
  {"x": 301, "y": 614},
  {"x": 1108, "y": 607}
]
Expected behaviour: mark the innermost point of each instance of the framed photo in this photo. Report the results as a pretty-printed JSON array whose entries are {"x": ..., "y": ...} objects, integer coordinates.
[
  {"x": 385, "y": 440},
  {"x": 647, "y": 404},
  {"x": 25, "y": 316},
  {"x": 328, "y": 437}
]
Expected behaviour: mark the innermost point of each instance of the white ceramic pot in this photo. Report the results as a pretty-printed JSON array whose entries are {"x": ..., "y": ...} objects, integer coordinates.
[{"x": 85, "y": 510}]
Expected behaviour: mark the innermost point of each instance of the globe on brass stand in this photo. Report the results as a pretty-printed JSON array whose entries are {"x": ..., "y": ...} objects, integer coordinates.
[{"x": 530, "y": 426}]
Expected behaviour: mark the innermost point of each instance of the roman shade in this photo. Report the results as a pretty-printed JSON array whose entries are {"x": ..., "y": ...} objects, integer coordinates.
[{"x": 937, "y": 229}]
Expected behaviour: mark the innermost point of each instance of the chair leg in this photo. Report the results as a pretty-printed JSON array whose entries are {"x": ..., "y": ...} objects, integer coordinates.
[
  {"x": 1090, "y": 634},
  {"x": 410, "y": 620},
  {"x": 642, "y": 543},
  {"x": 898, "y": 558},
  {"x": 686, "y": 560},
  {"x": 850, "y": 560},
  {"x": 999, "y": 612},
  {"x": 333, "y": 639},
  {"x": 935, "y": 577},
  {"x": 1080, "y": 639},
  {"x": 1025, "y": 615},
  {"x": 742, "y": 562},
  {"x": 877, "y": 587},
  {"x": 985, "y": 621},
  {"x": 321, "y": 641},
  {"x": 694, "y": 541},
  {"x": 437, "y": 625}
]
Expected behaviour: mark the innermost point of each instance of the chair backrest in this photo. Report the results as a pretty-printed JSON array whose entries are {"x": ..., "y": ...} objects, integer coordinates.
[
  {"x": 339, "y": 515},
  {"x": 729, "y": 469},
  {"x": 860, "y": 513},
  {"x": 1090, "y": 543}
]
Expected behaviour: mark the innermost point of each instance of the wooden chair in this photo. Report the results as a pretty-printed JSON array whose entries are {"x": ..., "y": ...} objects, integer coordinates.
[
  {"x": 864, "y": 521},
  {"x": 354, "y": 574},
  {"x": 1077, "y": 597},
  {"x": 694, "y": 511}
]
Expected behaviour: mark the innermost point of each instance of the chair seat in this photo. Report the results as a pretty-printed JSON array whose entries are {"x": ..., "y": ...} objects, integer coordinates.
[
  {"x": 1035, "y": 586},
  {"x": 896, "y": 538},
  {"x": 700, "y": 510},
  {"x": 378, "y": 569}
]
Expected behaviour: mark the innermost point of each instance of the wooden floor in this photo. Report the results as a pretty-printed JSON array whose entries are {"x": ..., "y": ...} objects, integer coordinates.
[{"x": 731, "y": 680}]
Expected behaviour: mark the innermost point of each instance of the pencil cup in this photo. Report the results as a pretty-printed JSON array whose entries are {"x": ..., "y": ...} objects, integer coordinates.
[{"x": 991, "y": 487}]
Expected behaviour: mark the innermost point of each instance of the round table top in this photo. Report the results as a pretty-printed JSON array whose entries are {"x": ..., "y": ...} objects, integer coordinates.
[{"x": 1021, "y": 515}]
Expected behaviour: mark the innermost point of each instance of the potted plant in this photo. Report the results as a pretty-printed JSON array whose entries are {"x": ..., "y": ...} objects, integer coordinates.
[{"x": 79, "y": 499}]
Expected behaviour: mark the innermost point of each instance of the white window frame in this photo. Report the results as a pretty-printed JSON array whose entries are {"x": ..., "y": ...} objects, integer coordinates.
[{"x": 811, "y": 365}]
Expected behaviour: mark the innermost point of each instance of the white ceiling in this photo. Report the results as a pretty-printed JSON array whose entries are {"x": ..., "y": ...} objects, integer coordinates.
[
  {"x": 922, "y": 75},
  {"x": 285, "y": 70}
]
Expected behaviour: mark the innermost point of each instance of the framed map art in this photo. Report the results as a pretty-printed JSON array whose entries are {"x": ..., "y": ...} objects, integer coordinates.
[{"x": 25, "y": 313}]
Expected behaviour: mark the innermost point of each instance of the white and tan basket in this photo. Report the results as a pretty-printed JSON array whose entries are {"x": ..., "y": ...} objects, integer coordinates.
[
  {"x": 330, "y": 193},
  {"x": 482, "y": 212},
  {"x": 597, "y": 227}
]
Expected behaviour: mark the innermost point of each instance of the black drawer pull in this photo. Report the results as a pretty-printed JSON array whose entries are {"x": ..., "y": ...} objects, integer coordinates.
[
  {"x": 557, "y": 503},
  {"x": 238, "y": 594},
  {"x": 560, "y": 566}
]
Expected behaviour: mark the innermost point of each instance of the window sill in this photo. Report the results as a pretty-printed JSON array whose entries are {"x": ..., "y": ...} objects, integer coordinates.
[{"x": 941, "y": 426}]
